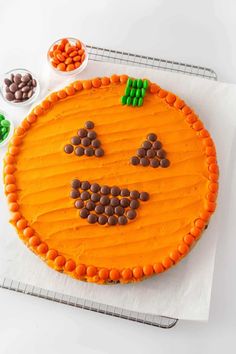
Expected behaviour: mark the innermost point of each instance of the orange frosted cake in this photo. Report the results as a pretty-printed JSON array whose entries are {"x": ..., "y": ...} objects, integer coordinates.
[{"x": 111, "y": 179}]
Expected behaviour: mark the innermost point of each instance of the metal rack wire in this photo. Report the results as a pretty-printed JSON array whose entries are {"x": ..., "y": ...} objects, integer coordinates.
[{"x": 113, "y": 56}]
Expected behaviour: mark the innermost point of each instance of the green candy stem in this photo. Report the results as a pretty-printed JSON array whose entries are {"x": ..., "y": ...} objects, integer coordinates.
[
  {"x": 140, "y": 101},
  {"x": 123, "y": 99},
  {"x": 143, "y": 92},
  {"x": 127, "y": 91},
  {"x": 129, "y": 82},
  {"x": 145, "y": 84},
  {"x": 132, "y": 92},
  {"x": 129, "y": 101},
  {"x": 139, "y": 83},
  {"x": 138, "y": 92},
  {"x": 135, "y": 101},
  {"x": 135, "y": 83}
]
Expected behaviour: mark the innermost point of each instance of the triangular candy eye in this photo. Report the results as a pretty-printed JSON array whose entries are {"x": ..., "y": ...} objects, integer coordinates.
[
  {"x": 85, "y": 142},
  {"x": 151, "y": 153}
]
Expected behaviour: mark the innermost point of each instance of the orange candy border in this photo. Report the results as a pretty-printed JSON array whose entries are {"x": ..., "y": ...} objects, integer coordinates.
[{"x": 90, "y": 272}]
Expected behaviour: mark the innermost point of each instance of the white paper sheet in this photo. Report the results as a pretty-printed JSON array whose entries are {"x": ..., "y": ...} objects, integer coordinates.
[{"x": 184, "y": 291}]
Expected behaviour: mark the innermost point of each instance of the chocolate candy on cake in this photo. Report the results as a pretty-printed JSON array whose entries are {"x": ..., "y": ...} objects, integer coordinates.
[
  {"x": 85, "y": 142},
  {"x": 106, "y": 205},
  {"x": 150, "y": 153}
]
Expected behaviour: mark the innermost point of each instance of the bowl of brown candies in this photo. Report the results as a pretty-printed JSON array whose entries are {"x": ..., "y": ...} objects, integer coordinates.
[{"x": 19, "y": 87}]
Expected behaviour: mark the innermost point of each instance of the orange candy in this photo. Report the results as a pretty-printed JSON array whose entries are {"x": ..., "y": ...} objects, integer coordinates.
[
  {"x": 34, "y": 241},
  {"x": 191, "y": 118},
  {"x": 52, "y": 254},
  {"x": 16, "y": 140},
  {"x": 213, "y": 177},
  {"x": 15, "y": 216},
  {"x": 158, "y": 268},
  {"x": 25, "y": 124},
  {"x": 59, "y": 261},
  {"x": 13, "y": 206},
  {"x": 154, "y": 88},
  {"x": 80, "y": 270},
  {"x": 20, "y": 131},
  {"x": 46, "y": 104},
  {"x": 70, "y": 265},
  {"x": 114, "y": 274},
  {"x": 105, "y": 81},
  {"x": 127, "y": 274},
  {"x": 87, "y": 84},
  {"x": 9, "y": 179},
  {"x": 123, "y": 79},
  {"x": 213, "y": 167},
  {"x": 167, "y": 263},
  {"x": 211, "y": 197},
  {"x": 9, "y": 158},
  {"x": 186, "y": 110},
  {"x": 195, "y": 231},
  {"x": 198, "y": 125},
  {"x": 31, "y": 118},
  {"x": 211, "y": 159},
  {"x": 200, "y": 223},
  {"x": 21, "y": 224},
  {"x": 213, "y": 187},
  {"x": 183, "y": 248},
  {"x": 53, "y": 97},
  {"x": 70, "y": 90},
  {"x": 210, "y": 151},
  {"x": 138, "y": 272},
  {"x": 162, "y": 93},
  {"x": 204, "y": 133},
  {"x": 77, "y": 65},
  {"x": 205, "y": 215},
  {"x": 91, "y": 271},
  {"x": 170, "y": 98},
  {"x": 12, "y": 197},
  {"x": 96, "y": 82},
  {"x": 10, "y": 188},
  {"x": 148, "y": 270},
  {"x": 70, "y": 67},
  {"x": 115, "y": 79},
  {"x": 9, "y": 169},
  {"x": 175, "y": 255},
  {"x": 179, "y": 104},
  {"x": 68, "y": 61},
  {"x": 38, "y": 111},
  {"x": 28, "y": 232},
  {"x": 211, "y": 206},
  {"x": 61, "y": 66},
  {"x": 103, "y": 274},
  {"x": 14, "y": 150},
  {"x": 42, "y": 248},
  {"x": 61, "y": 94},
  {"x": 77, "y": 85}
]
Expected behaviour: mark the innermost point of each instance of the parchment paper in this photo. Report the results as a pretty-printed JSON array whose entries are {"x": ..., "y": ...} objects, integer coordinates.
[{"x": 184, "y": 291}]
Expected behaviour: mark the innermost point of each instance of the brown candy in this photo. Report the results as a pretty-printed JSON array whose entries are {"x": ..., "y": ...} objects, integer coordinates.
[
  {"x": 75, "y": 140},
  {"x": 79, "y": 204},
  {"x": 154, "y": 163},
  {"x": 144, "y": 196},
  {"x": 152, "y": 137},
  {"x": 131, "y": 214},
  {"x": 92, "y": 135},
  {"x": 74, "y": 194},
  {"x": 112, "y": 220},
  {"x": 99, "y": 152},
  {"x": 92, "y": 218},
  {"x": 85, "y": 195},
  {"x": 115, "y": 191},
  {"x": 79, "y": 151},
  {"x": 95, "y": 197},
  {"x": 119, "y": 210},
  {"x": 89, "y": 151},
  {"x": 95, "y": 187},
  {"x": 134, "y": 161},
  {"x": 157, "y": 145},
  {"x": 19, "y": 88},
  {"x": 90, "y": 205},
  {"x": 114, "y": 202},
  {"x": 85, "y": 185},
  {"x": 109, "y": 210},
  {"x": 82, "y": 133},
  {"x": 141, "y": 152},
  {"x": 85, "y": 141},
  {"x": 134, "y": 204},
  {"x": 105, "y": 200},
  {"x": 105, "y": 190},
  {"x": 165, "y": 163},
  {"x": 68, "y": 148},
  {"x": 124, "y": 192},
  {"x": 151, "y": 153},
  {"x": 102, "y": 219},
  {"x": 96, "y": 143},
  {"x": 147, "y": 145},
  {"x": 122, "y": 220},
  {"x": 124, "y": 202},
  {"x": 99, "y": 209},
  {"x": 144, "y": 161},
  {"x": 75, "y": 183},
  {"x": 89, "y": 124},
  {"x": 84, "y": 213},
  {"x": 134, "y": 194},
  {"x": 161, "y": 153}
]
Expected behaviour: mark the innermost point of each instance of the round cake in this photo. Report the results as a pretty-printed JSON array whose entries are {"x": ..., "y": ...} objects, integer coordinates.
[{"x": 111, "y": 179}]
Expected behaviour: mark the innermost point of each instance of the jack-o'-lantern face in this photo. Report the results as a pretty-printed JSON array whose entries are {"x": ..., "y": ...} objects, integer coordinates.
[{"x": 112, "y": 185}]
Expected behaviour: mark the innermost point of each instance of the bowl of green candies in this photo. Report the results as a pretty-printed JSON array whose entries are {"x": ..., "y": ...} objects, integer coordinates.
[{"x": 6, "y": 128}]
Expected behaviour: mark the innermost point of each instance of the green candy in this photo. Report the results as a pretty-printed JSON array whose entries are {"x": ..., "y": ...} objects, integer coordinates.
[
  {"x": 129, "y": 82},
  {"x": 138, "y": 92},
  {"x": 140, "y": 101},
  {"x": 1, "y": 117},
  {"x": 5, "y": 135},
  {"x": 123, "y": 100},
  {"x": 5, "y": 123},
  {"x": 145, "y": 84},
  {"x": 135, "y": 101},
  {"x": 132, "y": 92},
  {"x": 129, "y": 101},
  {"x": 143, "y": 92},
  {"x": 127, "y": 91},
  {"x": 3, "y": 130},
  {"x": 140, "y": 83},
  {"x": 135, "y": 83}
]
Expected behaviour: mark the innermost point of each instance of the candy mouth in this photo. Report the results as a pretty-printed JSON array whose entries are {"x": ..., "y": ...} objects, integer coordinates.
[{"x": 106, "y": 205}]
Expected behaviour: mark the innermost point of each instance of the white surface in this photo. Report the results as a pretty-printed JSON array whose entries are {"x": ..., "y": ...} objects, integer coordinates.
[
  {"x": 184, "y": 292},
  {"x": 200, "y": 32}
]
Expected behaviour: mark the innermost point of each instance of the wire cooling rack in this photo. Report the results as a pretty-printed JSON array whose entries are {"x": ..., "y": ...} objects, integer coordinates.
[{"x": 113, "y": 56}]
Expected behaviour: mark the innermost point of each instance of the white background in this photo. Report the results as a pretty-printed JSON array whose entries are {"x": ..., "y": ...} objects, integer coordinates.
[{"x": 198, "y": 32}]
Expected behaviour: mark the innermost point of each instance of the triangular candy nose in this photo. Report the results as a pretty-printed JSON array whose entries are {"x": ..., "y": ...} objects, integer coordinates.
[
  {"x": 85, "y": 142},
  {"x": 151, "y": 153}
]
